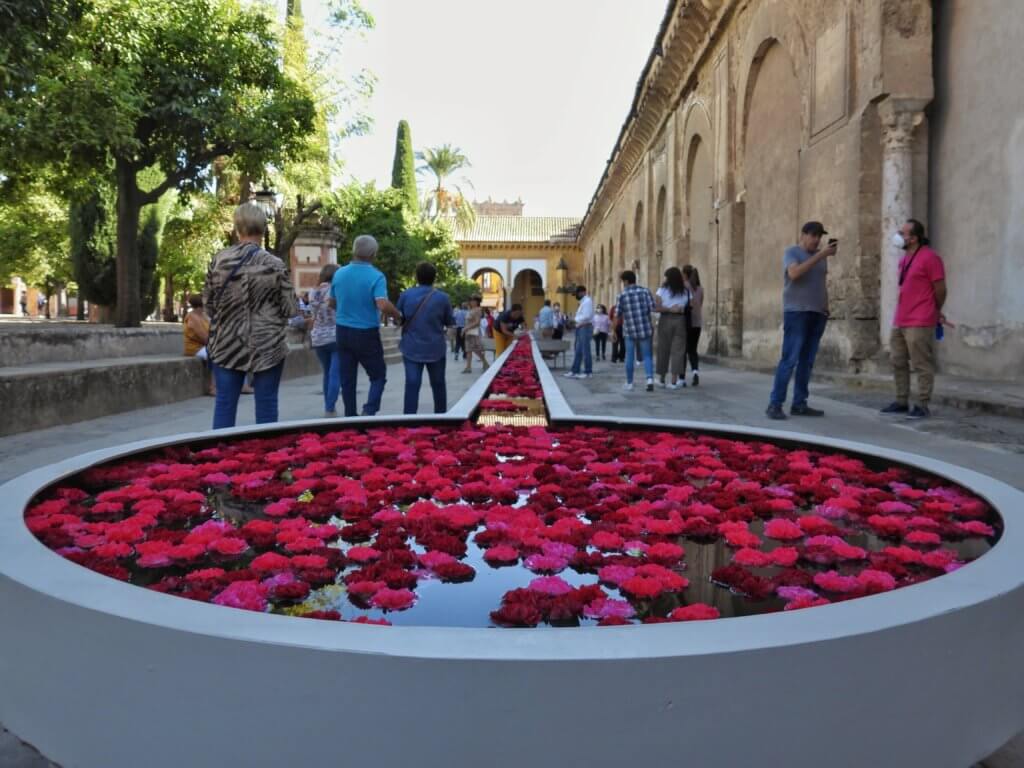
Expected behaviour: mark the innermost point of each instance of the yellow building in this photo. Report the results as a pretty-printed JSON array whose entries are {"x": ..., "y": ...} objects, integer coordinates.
[{"x": 522, "y": 260}]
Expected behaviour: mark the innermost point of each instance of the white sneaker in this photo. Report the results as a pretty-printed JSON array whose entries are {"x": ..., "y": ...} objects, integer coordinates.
[
  {"x": 650, "y": 385},
  {"x": 661, "y": 383},
  {"x": 585, "y": 376},
  {"x": 571, "y": 375},
  {"x": 678, "y": 385},
  {"x": 628, "y": 386}
]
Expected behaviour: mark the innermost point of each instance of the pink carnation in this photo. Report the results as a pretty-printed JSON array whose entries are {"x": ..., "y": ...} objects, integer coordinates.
[
  {"x": 501, "y": 554},
  {"x": 551, "y": 585},
  {"x": 755, "y": 558},
  {"x": 545, "y": 564},
  {"x": 605, "y": 607},
  {"x": 247, "y": 595}
]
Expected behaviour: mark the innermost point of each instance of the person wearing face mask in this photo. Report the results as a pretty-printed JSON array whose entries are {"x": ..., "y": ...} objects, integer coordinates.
[
  {"x": 805, "y": 313},
  {"x": 922, "y": 292}
]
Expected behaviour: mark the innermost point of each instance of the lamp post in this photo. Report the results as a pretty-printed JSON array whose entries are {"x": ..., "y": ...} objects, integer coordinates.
[{"x": 267, "y": 200}]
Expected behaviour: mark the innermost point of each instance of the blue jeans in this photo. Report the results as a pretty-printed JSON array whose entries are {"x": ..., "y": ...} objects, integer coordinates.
[
  {"x": 327, "y": 354},
  {"x": 645, "y": 350},
  {"x": 361, "y": 346},
  {"x": 414, "y": 379},
  {"x": 584, "y": 334},
  {"x": 229, "y": 386},
  {"x": 801, "y": 334}
]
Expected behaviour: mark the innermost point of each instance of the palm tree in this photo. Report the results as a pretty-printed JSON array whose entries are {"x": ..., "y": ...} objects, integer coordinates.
[{"x": 443, "y": 162}]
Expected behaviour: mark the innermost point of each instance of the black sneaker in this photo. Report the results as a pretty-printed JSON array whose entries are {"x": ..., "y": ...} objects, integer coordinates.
[
  {"x": 919, "y": 412},
  {"x": 696, "y": 379},
  {"x": 895, "y": 407},
  {"x": 805, "y": 410},
  {"x": 775, "y": 412}
]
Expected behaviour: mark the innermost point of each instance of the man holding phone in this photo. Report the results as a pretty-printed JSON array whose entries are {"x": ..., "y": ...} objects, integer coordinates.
[{"x": 805, "y": 313}]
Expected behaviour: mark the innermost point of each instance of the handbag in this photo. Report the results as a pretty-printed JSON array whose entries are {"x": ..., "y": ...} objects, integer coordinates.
[{"x": 407, "y": 323}]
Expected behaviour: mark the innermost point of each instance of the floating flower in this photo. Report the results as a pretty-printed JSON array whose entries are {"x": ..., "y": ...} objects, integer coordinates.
[
  {"x": 606, "y": 607},
  {"x": 545, "y": 563},
  {"x": 393, "y": 599},
  {"x": 551, "y": 585},
  {"x": 785, "y": 530},
  {"x": 247, "y": 595},
  {"x": 695, "y": 612}
]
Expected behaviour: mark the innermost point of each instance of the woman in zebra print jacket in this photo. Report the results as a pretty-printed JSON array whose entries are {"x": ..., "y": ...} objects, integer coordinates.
[{"x": 249, "y": 297}]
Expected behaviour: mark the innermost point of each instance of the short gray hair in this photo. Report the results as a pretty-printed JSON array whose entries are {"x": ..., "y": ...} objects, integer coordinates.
[
  {"x": 250, "y": 219},
  {"x": 364, "y": 247}
]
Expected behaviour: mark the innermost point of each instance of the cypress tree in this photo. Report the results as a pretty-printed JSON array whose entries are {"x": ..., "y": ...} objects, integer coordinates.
[{"x": 403, "y": 172}]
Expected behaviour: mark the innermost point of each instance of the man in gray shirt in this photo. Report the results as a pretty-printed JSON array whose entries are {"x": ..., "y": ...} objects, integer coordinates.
[
  {"x": 546, "y": 320},
  {"x": 804, "y": 312}
]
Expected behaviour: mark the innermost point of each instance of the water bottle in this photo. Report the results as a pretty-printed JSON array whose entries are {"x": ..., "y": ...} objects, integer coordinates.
[{"x": 939, "y": 332}]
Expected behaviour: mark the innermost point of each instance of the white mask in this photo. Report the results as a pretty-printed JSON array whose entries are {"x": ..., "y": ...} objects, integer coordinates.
[{"x": 898, "y": 241}]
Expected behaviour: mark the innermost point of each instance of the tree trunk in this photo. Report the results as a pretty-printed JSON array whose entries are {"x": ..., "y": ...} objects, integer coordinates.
[
  {"x": 129, "y": 300},
  {"x": 169, "y": 314}
]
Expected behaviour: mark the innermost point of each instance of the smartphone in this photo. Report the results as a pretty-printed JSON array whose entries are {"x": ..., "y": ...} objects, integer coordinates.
[{"x": 833, "y": 241}]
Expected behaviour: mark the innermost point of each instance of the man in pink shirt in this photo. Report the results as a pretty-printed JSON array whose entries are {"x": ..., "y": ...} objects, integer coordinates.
[{"x": 922, "y": 285}]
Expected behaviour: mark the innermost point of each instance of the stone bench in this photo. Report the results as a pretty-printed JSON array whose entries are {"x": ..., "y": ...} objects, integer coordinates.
[
  {"x": 550, "y": 349},
  {"x": 50, "y": 394},
  {"x": 63, "y": 342}
]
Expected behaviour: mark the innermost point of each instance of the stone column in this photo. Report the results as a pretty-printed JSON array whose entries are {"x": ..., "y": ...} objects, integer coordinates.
[{"x": 899, "y": 118}]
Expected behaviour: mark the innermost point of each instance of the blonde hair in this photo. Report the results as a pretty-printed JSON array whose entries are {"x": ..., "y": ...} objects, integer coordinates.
[{"x": 250, "y": 220}]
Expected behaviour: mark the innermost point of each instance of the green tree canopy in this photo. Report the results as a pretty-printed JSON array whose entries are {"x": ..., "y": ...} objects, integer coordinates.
[
  {"x": 167, "y": 83},
  {"x": 34, "y": 234},
  {"x": 404, "y": 241},
  {"x": 403, "y": 170}
]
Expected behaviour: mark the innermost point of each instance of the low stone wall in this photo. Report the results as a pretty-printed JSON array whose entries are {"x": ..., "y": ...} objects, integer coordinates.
[
  {"x": 47, "y": 398},
  {"x": 55, "y": 342}
]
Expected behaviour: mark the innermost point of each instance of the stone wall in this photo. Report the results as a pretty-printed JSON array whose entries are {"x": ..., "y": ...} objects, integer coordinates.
[
  {"x": 751, "y": 117},
  {"x": 977, "y": 173}
]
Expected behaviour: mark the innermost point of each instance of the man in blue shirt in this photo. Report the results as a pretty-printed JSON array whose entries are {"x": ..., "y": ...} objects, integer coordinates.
[
  {"x": 546, "y": 320},
  {"x": 360, "y": 293},
  {"x": 426, "y": 314}
]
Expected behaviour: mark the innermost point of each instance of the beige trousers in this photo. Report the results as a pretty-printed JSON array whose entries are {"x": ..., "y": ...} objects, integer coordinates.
[{"x": 913, "y": 350}]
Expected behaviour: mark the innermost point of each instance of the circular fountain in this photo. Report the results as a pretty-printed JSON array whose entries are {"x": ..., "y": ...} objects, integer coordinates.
[{"x": 95, "y": 671}]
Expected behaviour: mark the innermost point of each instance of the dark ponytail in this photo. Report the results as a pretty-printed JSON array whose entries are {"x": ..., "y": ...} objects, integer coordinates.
[{"x": 917, "y": 230}]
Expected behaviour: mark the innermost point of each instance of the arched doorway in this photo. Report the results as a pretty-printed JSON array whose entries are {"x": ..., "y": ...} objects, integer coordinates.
[
  {"x": 528, "y": 290},
  {"x": 492, "y": 289},
  {"x": 771, "y": 170}
]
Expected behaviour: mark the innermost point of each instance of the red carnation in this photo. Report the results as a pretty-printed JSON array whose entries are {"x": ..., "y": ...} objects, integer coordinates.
[
  {"x": 393, "y": 599},
  {"x": 695, "y": 612}
]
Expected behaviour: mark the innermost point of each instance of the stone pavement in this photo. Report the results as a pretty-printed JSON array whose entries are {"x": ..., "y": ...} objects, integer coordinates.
[{"x": 988, "y": 443}]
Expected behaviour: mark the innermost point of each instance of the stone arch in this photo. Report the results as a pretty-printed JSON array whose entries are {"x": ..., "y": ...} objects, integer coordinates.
[
  {"x": 697, "y": 124},
  {"x": 700, "y": 212},
  {"x": 771, "y": 162},
  {"x": 528, "y": 290},
  {"x": 773, "y": 23},
  {"x": 493, "y": 287}
]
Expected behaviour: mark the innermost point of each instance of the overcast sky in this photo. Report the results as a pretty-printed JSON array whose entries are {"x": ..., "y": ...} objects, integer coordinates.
[{"x": 534, "y": 92}]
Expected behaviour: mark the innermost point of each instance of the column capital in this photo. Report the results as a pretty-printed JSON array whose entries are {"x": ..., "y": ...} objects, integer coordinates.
[{"x": 899, "y": 118}]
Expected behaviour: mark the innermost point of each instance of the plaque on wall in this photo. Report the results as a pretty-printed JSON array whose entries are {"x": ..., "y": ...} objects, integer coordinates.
[{"x": 829, "y": 96}]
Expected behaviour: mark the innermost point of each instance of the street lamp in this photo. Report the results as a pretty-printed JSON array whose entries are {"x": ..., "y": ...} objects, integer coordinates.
[{"x": 267, "y": 200}]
